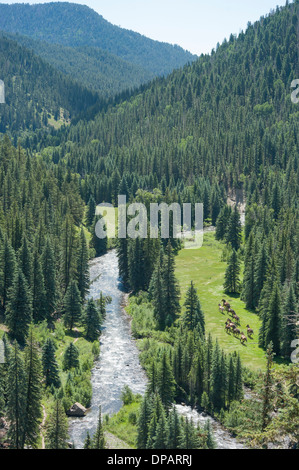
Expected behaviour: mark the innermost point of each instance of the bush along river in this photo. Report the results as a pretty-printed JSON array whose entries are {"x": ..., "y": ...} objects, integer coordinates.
[{"x": 118, "y": 364}]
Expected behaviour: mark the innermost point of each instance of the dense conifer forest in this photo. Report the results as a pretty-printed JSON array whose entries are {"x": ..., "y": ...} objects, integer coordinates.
[{"x": 220, "y": 130}]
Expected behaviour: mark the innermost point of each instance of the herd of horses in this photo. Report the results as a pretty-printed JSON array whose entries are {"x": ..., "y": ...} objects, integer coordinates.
[{"x": 232, "y": 325}]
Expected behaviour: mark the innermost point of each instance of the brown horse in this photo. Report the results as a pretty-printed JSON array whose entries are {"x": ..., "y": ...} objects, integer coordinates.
[
  {"x": 243, "y": 338},
  {"x": 227, "y": 328},
  {"x": 235, "y": 316},
  {"x": 250, "y": 331},
  {"x": 237, "y": 332},
  {"x": 221, "y": 309}
]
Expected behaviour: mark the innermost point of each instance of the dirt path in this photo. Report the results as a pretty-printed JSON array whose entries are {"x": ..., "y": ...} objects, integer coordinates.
[
  {"x": 113, "y": 442},
  {"x": 42, "y": 426}
]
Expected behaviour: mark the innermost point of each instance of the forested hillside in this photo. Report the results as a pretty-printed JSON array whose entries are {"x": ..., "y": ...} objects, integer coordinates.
[
  {"x": 93, "y": 67},
  {"x": 223, "y": 123},
  {"x": 36, "y": 94},
  {"x": 77, "y": 25},
  {"x": 221, "y": 126}
]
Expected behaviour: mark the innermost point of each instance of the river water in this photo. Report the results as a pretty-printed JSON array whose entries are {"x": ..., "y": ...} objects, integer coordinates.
[{"x": 118, "y": 364}]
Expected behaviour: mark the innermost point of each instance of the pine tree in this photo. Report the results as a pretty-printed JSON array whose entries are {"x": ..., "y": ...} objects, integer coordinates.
[
  {"x": 143, "y": 423},
  {"x": 174, "y": 429},
  {"x": 71, "y": 357},
  {"x": 232, "y": 282},
  {"x": 260, "y": 273},
  {"x": 218, "y": 378},
  {"x": 210, "y": 440},
  {"x": 289, "y": 332},
  {"x": 57, "y": 428},
  {"x": 172, "y": 290},
  {"x": 234, "y": 230},
  {"x": 205, "y": 402},
  {"x": 152, "y": 386},
  {"x": 99, "y": 244},
  {"x": 87, "y": 442},
  {"x": 273, "y": 321},
  {"x": 16, "y": 398},
  {"x": 239, "y": 380},
  {"x": 39, "y": 299},
  {"x": 136, "y": 263},
  {"x": 189, "y": 438},
  {"x": 8, "y": 266},
  {"x": 265, "y": 298},
  {"x": 231, "y": 393},
  {"x": 50, "y": 366},
  {"x": 208, "y": 364},
  {"x": 82, "y": 266},
  {"x": 157, "y": 295},
  {"x": 19, "y": 308},
  {"x": 193, "y": 317},
  {"x": 222, "y": 222},
  {"x": 72, "y": 306},
  {"x": 68, "y": 251},
  {"x": 165, "y": 381},
  {"x": 25, "y": 261},
  {"x": 91, "y": 210},
  {"x": 49, "y": 273},
  {"x": 32, "y": 412},
  {"x": 249, "y": 272},
  {"x": 92, "y": 321},
  {"x": 122, "y": 255},
  {"x": 161, "y": 437},
  {"x": 267, "y": 390},
  {"x": 98, "y": 439}
]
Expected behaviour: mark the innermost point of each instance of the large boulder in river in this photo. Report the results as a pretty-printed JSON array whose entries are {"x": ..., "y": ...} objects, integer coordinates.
[{"x": 77, "y": 410}]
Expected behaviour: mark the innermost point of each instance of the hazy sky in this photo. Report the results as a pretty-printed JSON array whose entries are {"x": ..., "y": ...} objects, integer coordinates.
[{"x": 196, "y": 25}]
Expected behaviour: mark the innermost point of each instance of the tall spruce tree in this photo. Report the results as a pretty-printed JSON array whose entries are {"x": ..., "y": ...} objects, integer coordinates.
[
  {"x": 249, "y": 273},
  {"x": 71, "y": 357},
  {"x": 234, "y": 230},
  {"x": 50, "y": 366},
  {"x": 289, "y": 330},
  {"x": 8, "y": 265},
  {"x": 98, "y": 441},
  {"x": 57, "y": 427},
  {"x": 39, "y": 299},
  {"x": 165, "y": 381},
  {"x": 172, "y": 290},
  {"x": 157, "y": 295},
  {"x": 143, "y": 423},
  {"x": 16, "y": 398},
  {"x": 19, "y": 308},
  {"x": 82, "y": 266},
  {"x": 33, "y": 390},
  {"x": 49, "y": 273},
  {"x": 92, "y": 321},
  {"x": 273, "y": 321},
  {"x": 72, "y": 306},
  {"x": 193, "y": 317},
  {"x": 232, "y": 283}
]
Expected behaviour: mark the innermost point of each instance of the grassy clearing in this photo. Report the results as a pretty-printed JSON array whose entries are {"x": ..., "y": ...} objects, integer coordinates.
[
  {"x": 123, "y": 424},
  {"x": 205, "y": 268}
]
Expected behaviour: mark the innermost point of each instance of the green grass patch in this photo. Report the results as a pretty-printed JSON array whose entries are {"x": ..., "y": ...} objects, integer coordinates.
[
  {"x": 205, "y": 268},
  {"x": 124, "y": 423}
]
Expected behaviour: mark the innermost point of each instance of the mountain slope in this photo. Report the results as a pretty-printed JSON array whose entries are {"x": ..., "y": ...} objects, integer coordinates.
[
  {"x": 36, "y": 94},
  {"x": 77, "y": 25},
  {"x": 204, "y": 120},
  {"x": 91, "y": 66}
]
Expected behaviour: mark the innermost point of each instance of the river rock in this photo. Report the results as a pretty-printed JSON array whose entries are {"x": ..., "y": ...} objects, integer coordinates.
[{"x": 77, "y": 410}]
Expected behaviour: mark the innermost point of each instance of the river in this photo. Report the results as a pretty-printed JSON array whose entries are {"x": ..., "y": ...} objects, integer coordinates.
[{"x": 118, "y": 364}]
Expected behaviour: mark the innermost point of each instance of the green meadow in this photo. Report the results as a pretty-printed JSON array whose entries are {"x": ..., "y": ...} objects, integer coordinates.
[{"x": 205, "y": 268}]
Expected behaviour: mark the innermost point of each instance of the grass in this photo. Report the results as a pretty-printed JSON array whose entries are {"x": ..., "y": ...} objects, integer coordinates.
[
  {"x": 204, "y": 267},
  {"x": 123, "y": 423}
]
